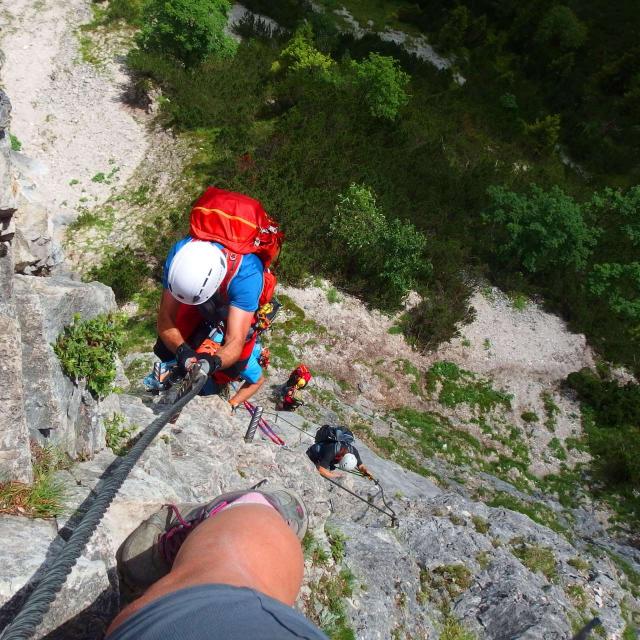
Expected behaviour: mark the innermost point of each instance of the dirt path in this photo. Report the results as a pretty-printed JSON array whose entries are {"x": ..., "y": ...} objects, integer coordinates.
[{"x": 67, "y": 113}]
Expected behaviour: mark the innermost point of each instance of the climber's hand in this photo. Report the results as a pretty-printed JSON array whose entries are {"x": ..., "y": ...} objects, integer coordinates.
[
  {"x": 214, "y": 361},
  {"x": 186, "y": 357}
]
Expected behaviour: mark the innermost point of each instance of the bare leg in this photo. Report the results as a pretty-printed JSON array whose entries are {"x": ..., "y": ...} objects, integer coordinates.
[
  {"x": 245, "y": 392},
  {"x": 248, "y": 545}
]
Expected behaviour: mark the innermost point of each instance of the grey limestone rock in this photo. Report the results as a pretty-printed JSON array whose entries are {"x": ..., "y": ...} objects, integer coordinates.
[
  {"x": 15, "y": 452},
  {"x": 35, "y": 252},
  {"x": 5, "y": 106},
  {"x": 55, "y": 407}
]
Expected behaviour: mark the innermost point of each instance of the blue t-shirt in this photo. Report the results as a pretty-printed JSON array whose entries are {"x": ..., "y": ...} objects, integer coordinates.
[
  {"x": 253, "y": 371},
  {"x": 246, "y": 286}
]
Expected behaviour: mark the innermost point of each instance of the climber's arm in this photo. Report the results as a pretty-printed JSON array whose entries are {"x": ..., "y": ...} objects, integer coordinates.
[
  {"x": 238, "y": 325},
  {"x": 167, "y": 329},
  {"x": 325, "y": 473}
]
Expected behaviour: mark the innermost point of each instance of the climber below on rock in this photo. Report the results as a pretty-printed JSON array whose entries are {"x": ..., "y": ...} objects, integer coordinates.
[
  {"x": 334, "y": 448},
  {"x": 299, "y": 378},
  {"x": 207, "y": 575}
]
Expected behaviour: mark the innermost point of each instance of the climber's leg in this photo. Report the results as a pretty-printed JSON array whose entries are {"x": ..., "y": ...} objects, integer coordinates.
[{"x": 227, "y": 550}]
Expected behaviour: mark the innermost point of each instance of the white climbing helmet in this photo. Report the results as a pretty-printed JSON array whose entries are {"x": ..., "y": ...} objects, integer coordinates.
[
  {"x": 196, "y": 272},
  {"x": 348, "y": 463}
]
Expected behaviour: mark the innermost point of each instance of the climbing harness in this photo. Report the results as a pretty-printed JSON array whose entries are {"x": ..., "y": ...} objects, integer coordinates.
[{"x": 32, "y": 613}]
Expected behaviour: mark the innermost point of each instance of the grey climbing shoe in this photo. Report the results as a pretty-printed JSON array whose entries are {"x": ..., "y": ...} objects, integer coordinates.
[{"x": 148, "y": 553}]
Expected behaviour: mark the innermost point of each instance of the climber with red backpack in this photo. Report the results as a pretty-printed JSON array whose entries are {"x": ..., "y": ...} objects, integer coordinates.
[
  {"x": 218, "y": 279},
  {"x": 298, "y": 379}
]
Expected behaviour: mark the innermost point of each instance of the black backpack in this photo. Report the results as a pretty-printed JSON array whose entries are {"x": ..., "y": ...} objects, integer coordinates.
[{"x": 342, "y": 435}]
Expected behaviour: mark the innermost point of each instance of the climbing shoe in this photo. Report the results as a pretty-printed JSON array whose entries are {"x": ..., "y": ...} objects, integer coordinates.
[{"x": 148, "y": 553}]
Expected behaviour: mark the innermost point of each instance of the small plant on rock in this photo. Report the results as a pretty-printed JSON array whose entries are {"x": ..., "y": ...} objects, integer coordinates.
[
  {"x": 118, "y": 435},
  {"x": 87, "y": 350}
]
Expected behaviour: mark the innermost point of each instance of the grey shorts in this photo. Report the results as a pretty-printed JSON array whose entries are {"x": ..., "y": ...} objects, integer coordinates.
[{"x": 214, "y": 611}]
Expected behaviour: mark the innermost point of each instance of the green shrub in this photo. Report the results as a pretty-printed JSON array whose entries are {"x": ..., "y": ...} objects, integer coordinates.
[
  {"x": 529, "y": 416},
  {"x": 540, "y": 231},
  {"x": 611, "y": 417},
  {"x": 188, "y": 30},
  {"x": 389, "y": 255},
  {"x": 128, "y": 10},
  {"x": 87, "y": 350},
  {"x": 301, "y": 55},
  {"x": 358, "y": 222},
  {"x": 118, "y": 435},
  {"x": 123, "y": 271},
  {"x": 382, "y": 83},
  {"x": 16, "y": 145}
]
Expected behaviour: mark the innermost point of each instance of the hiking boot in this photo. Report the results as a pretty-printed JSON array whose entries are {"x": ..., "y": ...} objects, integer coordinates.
[{"x": 149, "y": 552}]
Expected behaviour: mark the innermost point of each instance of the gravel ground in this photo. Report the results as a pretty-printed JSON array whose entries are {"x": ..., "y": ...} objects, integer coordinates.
[{"x": 66, "y": 113}]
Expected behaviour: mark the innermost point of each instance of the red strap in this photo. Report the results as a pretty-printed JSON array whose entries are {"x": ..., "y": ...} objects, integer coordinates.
[{"x": 234, "y": 260}]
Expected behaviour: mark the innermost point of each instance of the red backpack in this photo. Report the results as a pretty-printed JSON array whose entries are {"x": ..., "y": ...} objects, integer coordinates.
[
  {"x": 241, "y": 226},
  {"x": 301, "y": 371}
]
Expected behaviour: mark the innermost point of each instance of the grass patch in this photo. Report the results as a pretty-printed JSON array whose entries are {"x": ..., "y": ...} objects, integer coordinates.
[
  {"x": 551, "y": 410},
  {"x": 336, "y": 542},
  {"x": 87, "y": 351},
  {"x": 313, "y": 551},
  {"x": 632, "y": 576},
  {"x": 453, "y": 629},
  {"x": 537, "y": 511},
  {"x": 579, "y": 564},
  {"x": 437, "y": 437},
  {"x": 326, "y": 607},
  {"x": 480, "y": 524},
  {"x": 44, "y": 498},
  {"x": 457, "y": 386},
  {"x": 557, "y": 449},
  {"x": 333, "y": 296},
  {"x": 444, "y": 583},
  {"x": 123, "y": 271},
  {"x": 140, "y": 331},
  {"x": 537, "y": 559},
  {"x": 529, "y": 417}
]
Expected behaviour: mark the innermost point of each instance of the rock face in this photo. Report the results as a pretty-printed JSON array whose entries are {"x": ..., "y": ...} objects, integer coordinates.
[
  {"x": 35, "y": 250},
  {"x": 32, "y": 313},
  {"x": 449, "y": 559},
  {"x": 55, "y": 407}
]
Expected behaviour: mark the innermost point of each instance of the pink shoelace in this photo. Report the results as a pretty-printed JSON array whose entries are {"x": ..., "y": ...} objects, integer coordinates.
[{"x": 171, "y": 540}]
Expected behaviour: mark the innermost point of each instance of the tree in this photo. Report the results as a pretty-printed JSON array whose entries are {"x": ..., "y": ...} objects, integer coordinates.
[
  {"x": 382, "y": 84},
  {"x": 358, "y": 222},
  {"x": 301, "y": 55},
  {"x": 544, "y": 133},
  {"x": 188, "y": 30},
  {"x": 561, "y": 30},
  {"x": 452, "y": 36},
  {"x": 540, "y": 231},
  {"x": 618, "y": 283},
  {"x": 388, "y": 255}
]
